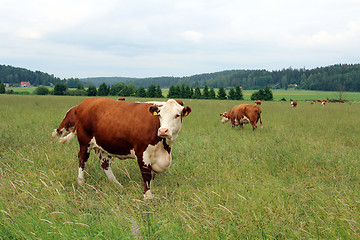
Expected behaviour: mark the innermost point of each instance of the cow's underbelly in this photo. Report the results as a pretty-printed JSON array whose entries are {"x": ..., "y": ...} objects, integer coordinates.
[
  {"x": 155, "y": 155},
  {"x": 96, "y": 147}
]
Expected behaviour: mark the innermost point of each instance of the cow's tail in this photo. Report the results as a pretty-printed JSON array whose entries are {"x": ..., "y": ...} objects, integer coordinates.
[{"x": 68, "y": 137}]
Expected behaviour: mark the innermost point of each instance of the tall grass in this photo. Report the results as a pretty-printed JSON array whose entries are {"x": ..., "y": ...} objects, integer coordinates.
[{"x": 298, "y": 177}]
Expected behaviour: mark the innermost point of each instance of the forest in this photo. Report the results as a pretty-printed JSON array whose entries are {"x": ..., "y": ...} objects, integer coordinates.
[{"x": 339, "y": 77}]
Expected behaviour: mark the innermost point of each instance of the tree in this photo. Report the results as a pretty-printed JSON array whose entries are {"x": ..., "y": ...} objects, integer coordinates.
[
  {"x": 206, "y": 92},
  {"x": 232, "y": 94},
  {"x": 103, "y": 90},
  {"x": 151, "y": 92},
  {"x": 140, "y": 92},
  {"x": 268, "y": 96},
  {"x": 197, "y": 93},
  {"x": 212, "y": 94},
  {"x": 59, "y": 89},
  {"x": 116, "y": 88},
  {"x": 2, "y": 88},
  {"x": 158, "y": 92},
  {"x": 173, "y": 92},
  {"x": 91, "y": 91},
  {"x": 221, "y": 93},
  {"x": 41, "y": 90},
  {"x": 238, "y": 93}
]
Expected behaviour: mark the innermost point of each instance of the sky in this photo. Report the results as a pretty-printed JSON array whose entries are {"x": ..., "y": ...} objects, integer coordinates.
[{"x": 152, "y": 38}]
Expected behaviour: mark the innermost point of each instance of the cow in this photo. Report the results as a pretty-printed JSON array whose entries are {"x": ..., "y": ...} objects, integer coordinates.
[
  {"x": 341, "y": 101},
  {"x": 121, "y": 99},
  {"x": 143, "y": 131},
  {"x": 257, "y": 102},
  {"x": 243, "y": 114},
  {"x": 293, "y": 103},
  {"x": 67, "y": 124},
  {"x": 323, "y": 103}
]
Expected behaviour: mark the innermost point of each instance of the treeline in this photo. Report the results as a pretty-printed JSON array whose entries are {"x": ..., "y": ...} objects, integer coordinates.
[
  {"x": 14, "y": 76},
  {"x": 344, "y": 77},
  {"x": 340, "y": 77}
]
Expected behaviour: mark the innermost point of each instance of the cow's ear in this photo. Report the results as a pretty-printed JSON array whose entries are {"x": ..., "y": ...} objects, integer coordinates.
[
  {"x": 186, "y": 111},
  {"x": 154, "y": 110},
  {"x": 180, "y": 102}
]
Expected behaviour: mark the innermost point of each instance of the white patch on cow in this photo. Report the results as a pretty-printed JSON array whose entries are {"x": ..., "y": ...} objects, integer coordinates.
[
  {"x": 170, "y": 118},
  {"x": 148, "y": 195},
  {"x": 244, "y": 120},
  {"x": 157, "y": 157},
  {"x": 109, "y": 173},
  {"x": 54, "y": 133},
  {"x": 68, "y": 137},
  {"x": 81, "y": 179}
]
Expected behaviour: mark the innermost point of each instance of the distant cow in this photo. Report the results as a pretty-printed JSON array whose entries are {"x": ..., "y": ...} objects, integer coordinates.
[
  {"x": 293, "y": 104},
  {"x": 67, "y": 124},
  {"x": 323, "y": 103},
  {"x": 341, "y": 101},
  {"x": 257, "y": 102},
  {"x": 243, "y": 114},
  {"x": 121, "y": 99},
  {"x": 143, "y": 131}
]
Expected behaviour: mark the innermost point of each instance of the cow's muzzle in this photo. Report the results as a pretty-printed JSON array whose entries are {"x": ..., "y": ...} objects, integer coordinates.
[{"x": 163, "y": 132}]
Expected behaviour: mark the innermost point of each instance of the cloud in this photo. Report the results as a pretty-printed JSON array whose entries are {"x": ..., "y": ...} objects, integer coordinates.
[
  {"x": 192, "y": 36},
  {"x": 138, "y": 38}
]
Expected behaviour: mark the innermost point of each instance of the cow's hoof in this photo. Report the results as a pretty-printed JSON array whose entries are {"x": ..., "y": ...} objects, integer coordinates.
[
  {"x": 81, "y": 181},
  {"x": 148, "y": 195}
]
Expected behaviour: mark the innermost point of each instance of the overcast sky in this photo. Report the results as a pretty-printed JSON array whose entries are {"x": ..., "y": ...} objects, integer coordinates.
[{"x": 148, "y": 38}]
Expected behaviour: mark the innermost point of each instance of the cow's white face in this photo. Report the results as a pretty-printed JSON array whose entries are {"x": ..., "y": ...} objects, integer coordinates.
[
  {"x": 170, "y": 115},
  {"x": 225, "y": 117}
]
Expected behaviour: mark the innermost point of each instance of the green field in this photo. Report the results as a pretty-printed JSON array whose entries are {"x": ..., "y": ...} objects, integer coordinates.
[{"x": 297, "y": 178}]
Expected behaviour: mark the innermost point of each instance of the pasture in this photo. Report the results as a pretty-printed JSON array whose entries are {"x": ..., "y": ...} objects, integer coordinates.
[{"x": 298, "y": 177}]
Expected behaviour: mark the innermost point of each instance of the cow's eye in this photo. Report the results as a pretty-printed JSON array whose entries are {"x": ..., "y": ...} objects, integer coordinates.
[{"x": 177, "y": 115}]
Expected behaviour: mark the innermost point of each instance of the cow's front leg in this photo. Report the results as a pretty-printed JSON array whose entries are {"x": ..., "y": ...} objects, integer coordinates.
[{"x": 105, "y": 161}]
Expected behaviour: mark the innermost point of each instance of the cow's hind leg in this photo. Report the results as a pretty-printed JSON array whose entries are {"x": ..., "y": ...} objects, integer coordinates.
[
  {"x": 105, "y": 161},
  {"x": 83, "y": 157}
]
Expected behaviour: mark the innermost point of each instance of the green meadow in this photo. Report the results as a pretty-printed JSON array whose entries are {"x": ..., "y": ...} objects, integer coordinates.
[{"x": 297, "y": 178}]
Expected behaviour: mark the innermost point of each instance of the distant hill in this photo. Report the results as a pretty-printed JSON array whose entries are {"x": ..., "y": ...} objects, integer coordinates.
[
  {"x": 331, "y": 78},
  {"x": 344, "y": 77}
]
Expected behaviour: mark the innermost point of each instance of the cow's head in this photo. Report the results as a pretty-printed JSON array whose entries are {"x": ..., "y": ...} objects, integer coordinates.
[
  {"x": 170, "y": 115},
  {"x": 225, "y": 117}
]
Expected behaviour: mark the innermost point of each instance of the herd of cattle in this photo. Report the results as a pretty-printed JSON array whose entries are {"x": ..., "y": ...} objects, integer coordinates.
[{"x": 144, "y": 131}]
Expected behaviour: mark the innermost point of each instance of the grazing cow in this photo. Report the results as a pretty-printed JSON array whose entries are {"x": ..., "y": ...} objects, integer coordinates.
[
  {"x": 257, "y": 102},
  {"x": 143, "y": 131},
  {"x": 293, "y": 104},
  {"x": 341, "y": 101},
  {"x": 121, "y": 99},
  {"x": 67, "y": 124},
  {"x": 243, "y": 113},
  {"x": 313, "y": 102},
  {"x": 323, "y": 103}
]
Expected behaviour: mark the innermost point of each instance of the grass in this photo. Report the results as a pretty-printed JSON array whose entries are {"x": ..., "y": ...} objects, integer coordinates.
[{"x": 298, "y": 177}]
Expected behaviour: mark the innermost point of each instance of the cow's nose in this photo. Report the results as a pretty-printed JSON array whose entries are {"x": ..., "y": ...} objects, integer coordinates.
[{"x": 163, "y": 132}]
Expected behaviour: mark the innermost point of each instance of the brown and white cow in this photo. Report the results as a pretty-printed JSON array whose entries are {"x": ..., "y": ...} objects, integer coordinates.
[
  {"x": 67, "y": 124},
  {"x": 293, "y": 103},
  {"x": 257, "y": 102},
  {"x": 143, "y": 131},
  {"x": 243, "y": 114}
]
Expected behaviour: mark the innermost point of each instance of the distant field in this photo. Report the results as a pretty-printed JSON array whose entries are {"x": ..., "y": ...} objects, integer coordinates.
[
  {"x": 297, "y": 178},
  {"x": 296, "y": 95}
]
